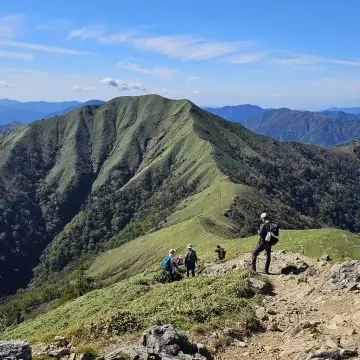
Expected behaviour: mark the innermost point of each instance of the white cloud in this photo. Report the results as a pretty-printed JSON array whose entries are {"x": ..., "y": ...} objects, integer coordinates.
[
  {"x": 245, "y": 58},
  {"x": 160, "y": 72},
  {"x": 166, "y": 92},
  {"x": 4, "y": 85},
  {"x": 174, "y": 46},
  {"x": 187, "y": 47},
  {"x": 197, "y": 92},
  {"x": 10, "y": 25},
  {"x": 122, "y": 85},
  {"x": 313, "y": 60},
  {"x": 192, "y": 78},
  {"x": 86, "y": 33},
  {"x": 19, "y": 56},
  {"x": 83, "y": 88},
  {"x": 38, "y": 47}
]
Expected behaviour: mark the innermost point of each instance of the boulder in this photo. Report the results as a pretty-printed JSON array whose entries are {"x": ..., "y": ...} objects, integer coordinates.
[
  {"x": 324, "y": 257},
  {"x": 328, "y": 355},
  {"x": 258, "y": 286},
  {"x": 162, "y": 343},
  {"x": 344, "y": 276},
  {"x": 15, "y": 350},
  {"x": 59, "y": 353},
  {"x": 61, "y": 341}
]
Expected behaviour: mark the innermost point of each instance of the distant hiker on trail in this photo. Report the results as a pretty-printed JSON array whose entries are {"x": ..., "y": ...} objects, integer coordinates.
[
  {"x": 179, "y": 261},
  {"x": 190, "y": 260},
  {"x": 169, "y": 264},
  {"x": 221, "y": 254},
  {"x": 269, "y": 236}
]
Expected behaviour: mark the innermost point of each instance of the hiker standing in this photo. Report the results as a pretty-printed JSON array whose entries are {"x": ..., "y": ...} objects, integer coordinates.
[
  {"x": 169, "y": 264},
  {"x": 221, "y": 254},
  {"x": 268, "y": 237},
  {"x": 190, "y": 260}
]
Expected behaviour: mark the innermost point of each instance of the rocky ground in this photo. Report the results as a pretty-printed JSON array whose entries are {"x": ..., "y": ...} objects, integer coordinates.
[{"x": 314, "y": 315}]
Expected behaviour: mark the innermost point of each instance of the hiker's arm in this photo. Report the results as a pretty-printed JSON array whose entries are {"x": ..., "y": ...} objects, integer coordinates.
[{"x": 262, "y": 231}]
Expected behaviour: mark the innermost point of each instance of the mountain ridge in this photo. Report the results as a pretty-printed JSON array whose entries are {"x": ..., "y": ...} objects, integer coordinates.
[{"x": 104, "y": 175}]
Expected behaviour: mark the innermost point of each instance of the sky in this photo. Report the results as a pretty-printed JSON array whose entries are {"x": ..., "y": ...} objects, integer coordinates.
[{"x": 302, "y": 54}]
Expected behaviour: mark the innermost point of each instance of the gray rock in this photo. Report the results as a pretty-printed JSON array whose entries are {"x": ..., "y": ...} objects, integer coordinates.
[
  {"x": 261, "y": 313},
  {"x": 162, "y": 343},
  {"x": 328, "y": 355},
  {"x": 59, "y": 353},
  {"x": 303, "y": 325},
  {"x": 61, "y": 341},
  {"x": 344, "y": 276},
  {"x": 15, "y": 350},
  {"x": 258, "y": 285},
  {"x": 325, "y": 257}
]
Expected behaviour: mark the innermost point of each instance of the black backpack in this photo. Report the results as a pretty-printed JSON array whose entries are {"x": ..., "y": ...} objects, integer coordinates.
[{"x": 272, "y": 237}]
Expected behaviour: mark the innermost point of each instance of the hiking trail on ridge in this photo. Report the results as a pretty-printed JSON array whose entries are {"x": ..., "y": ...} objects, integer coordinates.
[{"x": 313, "y": 315}]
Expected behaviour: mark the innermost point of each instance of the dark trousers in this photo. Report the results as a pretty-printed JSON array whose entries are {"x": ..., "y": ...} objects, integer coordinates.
[
  {"x": 261, "y": 246},
  {"x": 188, "y": 272}
]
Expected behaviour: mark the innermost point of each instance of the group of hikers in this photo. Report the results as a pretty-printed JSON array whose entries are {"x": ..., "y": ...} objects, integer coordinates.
[{"x": 268, "y": 236}]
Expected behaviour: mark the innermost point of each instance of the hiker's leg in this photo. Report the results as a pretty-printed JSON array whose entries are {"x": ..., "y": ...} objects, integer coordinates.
[
  {"x": 193, "y": 273},
  {"x": 268, "y": 259},
  {"x": 187, "y": 272},
  {"x": 259, "y": 248}
]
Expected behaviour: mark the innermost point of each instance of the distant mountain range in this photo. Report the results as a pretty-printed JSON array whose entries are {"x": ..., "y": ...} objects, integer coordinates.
[
  {"x": 12, "y": 110},
  {"x": 236, "y": 113},
  {"x": 350, "y": 110},
  {"x": 328, "y": 128}
]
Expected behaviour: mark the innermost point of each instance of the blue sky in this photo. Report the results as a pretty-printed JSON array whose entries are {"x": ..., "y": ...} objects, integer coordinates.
[{"x": 299, "y": 53}]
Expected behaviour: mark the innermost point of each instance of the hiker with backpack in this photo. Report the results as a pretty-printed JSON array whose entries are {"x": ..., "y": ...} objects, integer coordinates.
[
  {"x": 168, "y": 264},
  {"x": 190, "y": 260},
  {"x": 269, "y": 236},
  {"x": 221, "y": 252}
]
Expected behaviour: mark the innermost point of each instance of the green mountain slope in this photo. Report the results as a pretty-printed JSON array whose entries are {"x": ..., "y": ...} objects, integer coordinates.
[{"x": 102, "y": 176}]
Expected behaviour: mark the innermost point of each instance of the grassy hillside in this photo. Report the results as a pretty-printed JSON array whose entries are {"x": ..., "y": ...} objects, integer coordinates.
[
  {"x": 134, "y": 304},
  {"x": 102, "y": 176},
  {"x": 148, "y": 251}
]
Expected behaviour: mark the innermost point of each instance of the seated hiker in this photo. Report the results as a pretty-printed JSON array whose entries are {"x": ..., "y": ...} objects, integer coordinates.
[
  {"x": 190, "y": 260},
  {"x": 169, "y": 264},
  {"x": 221, "y": 252},
  {"x": 179, "y": 261}
]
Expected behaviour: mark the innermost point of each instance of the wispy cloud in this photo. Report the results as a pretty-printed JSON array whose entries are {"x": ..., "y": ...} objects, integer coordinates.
[
  {"x": 160, "y": 72},
  {"x": 83, "y": 88},
  {"x": 313, "y": 60},
  {"x": 18, "y": 56},
  {"x": 39, "y": 47},
  {"x": 4, "y": 85},
  {"x": 122, "y": 85},
  {"x": 10, "y": 25},
  {"x": 197, "y": 92},
  {"x": 174, "y": 46},
  {"x": 86, "y": 33},
  {"x": 245, "y": 58},
  {"x": 192, "y": 78},
  {"x": 187, "y": 47},
  {"x": 166, "y": 92}
]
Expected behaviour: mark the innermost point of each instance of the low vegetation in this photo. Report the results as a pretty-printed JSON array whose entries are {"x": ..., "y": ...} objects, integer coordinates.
[{"x": 132, "y": 305}]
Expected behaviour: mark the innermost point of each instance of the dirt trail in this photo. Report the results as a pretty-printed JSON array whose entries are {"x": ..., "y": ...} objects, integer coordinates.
[{"x": 302, "y": 315}]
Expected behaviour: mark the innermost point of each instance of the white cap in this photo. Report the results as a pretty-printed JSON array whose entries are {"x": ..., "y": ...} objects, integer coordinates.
[
  {"x": 263, "y": 215},
  {"x": 189, "y": 246}
]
